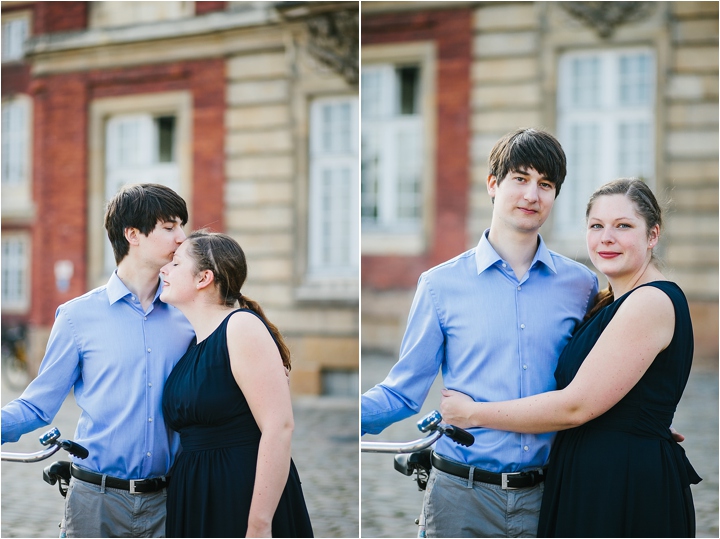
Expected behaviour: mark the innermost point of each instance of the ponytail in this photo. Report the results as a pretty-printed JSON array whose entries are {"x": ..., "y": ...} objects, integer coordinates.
[
  {"x": 602, "y": 299},
  {"x": 254, "y": 306}
]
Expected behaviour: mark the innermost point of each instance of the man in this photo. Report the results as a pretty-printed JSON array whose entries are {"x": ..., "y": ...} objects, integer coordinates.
[
  {"x": 495, "y": 320},
  {"x": 115, "y": 346}
]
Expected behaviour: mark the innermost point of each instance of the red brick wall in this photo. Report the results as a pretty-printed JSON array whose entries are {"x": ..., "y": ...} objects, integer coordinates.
[
  {"x": 15, "y": 79},
  {"x": 50, "y": 17},
  {"x": 451, "y": 31},
  {"x": 60, "y": 157},
  {"x": 208, "y": 7}
]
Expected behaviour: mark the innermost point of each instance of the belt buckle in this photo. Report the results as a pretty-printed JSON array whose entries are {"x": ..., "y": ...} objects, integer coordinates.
[
  {"x": 132, "y": 486},
  {"x": 504, "y": 481}
]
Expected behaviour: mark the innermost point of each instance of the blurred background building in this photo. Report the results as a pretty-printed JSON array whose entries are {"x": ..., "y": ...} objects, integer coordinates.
[
  {"x": 629, "y": 89},
  {"x": 249, "y": 110}
]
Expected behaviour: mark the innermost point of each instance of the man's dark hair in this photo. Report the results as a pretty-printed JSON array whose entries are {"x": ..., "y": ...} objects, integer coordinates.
[
  {"x": 140, "y": 206},
  {"x": 529, "y": 148}
]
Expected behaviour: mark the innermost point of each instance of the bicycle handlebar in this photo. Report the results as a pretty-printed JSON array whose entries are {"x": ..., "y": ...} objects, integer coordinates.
[
  {"x": 430, "y": 423},
  {"x": 52, "y": 439},
  {"x": 400, "y": 447}
]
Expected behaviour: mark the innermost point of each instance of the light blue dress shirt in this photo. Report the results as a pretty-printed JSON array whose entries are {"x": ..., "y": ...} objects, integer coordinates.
[
  {"x": 117, "y": 358},
  {"x": 494, "y": 337}
]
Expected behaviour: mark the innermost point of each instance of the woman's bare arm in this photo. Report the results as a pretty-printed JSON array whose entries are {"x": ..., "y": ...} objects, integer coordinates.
[{"x": 258, "y": 371}]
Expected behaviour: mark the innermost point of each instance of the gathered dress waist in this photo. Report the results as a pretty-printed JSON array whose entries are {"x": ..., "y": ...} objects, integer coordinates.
[{"x": 201, "y": 438}]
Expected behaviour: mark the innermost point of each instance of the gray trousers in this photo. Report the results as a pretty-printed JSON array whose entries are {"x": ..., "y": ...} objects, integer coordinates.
[
  {"x": 97, "y": 511},
  {"x": 457, "y": 507}
]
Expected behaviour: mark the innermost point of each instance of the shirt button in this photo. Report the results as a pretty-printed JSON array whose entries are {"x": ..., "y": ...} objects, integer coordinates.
[
  {"x": 150, "y": 419},
  {"x": 519, "y": 287},
  {"x": 149, "y": 454},
  {"x": 525, "y": 367},
  {"x": 149, "y": 384},
  {"x": 144, "y": 317},
  {"x": 150, "y": 349},
  {"x": 504, "y": 265},
  {"x": 132, "y": 298},
  {"x": 526, "y": 448},
  {"x": 522, "y": 326}
]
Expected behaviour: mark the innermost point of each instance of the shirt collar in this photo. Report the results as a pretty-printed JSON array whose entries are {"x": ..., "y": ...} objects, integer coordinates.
[
  {"x": 486, "y": 256},
  {"x": 116, "y": 289}
]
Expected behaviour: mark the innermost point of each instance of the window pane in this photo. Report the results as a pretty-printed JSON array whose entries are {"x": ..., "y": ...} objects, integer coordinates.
[
  {"x": 14, "y": 34},
  {"x": 585, "y": 82},
  {"x": 14, "y": 135},
  {"x": 409, "y": 174},
  {"x": 582, "y": 149},
  {"x": 336, "y": 217},
  {"x": 409, "y": 87},
  {"x": 336, "y": 128},
  {"x": 371, "y": 81},
  {"x": 636, "y": 76},
  {"x": 634, "y": 150},
  {"x": 369, "y": 178},
  {"x": 14, "y": 270},
  {"x": 166, "y": 138}
]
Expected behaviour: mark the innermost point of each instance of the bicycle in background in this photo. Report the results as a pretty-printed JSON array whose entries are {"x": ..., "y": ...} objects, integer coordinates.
[{"x": 13, "y": 345}]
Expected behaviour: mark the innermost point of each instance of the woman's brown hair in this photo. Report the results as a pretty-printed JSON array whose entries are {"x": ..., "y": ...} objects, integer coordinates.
[{"x": 222, "y": 255}]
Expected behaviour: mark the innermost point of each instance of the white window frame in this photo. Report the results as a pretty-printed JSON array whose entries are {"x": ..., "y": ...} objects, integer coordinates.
[
  {"x": 333, "y": 260},
  {"x": 133, "y": 159},
  {"x": 16, "y": 183},
  {"x": 106, "y": 177},
  {"x": 389, "y": 130},
  {"x": 390, "y": 235},
  {"x": 17, "y": 264},
  {"x": 15, "y": 31},
  {"x": 598, "y": 119}
]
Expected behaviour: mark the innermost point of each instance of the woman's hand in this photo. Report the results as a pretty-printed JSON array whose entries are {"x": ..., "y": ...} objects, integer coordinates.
[
  {"x": 455, "y": 409},
  {"x": 676, "y": 435}
]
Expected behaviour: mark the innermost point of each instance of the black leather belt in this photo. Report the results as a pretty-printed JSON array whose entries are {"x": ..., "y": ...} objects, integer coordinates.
[
  {"x": 505, "y": 480},
  {"x": 134, "y": 486}
]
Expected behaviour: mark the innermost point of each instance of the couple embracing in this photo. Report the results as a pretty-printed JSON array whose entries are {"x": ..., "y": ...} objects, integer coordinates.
[
  {"x": 528, "y": 348},
  {"x": 170, "y": 345}
]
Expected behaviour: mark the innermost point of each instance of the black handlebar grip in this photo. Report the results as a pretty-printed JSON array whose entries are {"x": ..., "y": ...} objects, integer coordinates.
[
  {"x": 459, "y": 436},
  {"x": 75, "y": 449}
]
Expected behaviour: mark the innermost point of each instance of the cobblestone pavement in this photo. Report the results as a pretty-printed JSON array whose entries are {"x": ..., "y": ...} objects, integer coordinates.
[
  {"x": 325, "y": 451},
  {"x": 390, "y": 502}
]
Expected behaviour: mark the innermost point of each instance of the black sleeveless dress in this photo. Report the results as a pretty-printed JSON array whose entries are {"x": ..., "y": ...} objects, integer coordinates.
[
  {"x": 212, "y": 479},
  {"x": 622, "y": 475}
]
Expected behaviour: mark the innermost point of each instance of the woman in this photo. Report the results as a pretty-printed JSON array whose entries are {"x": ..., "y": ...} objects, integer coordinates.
[
  {"x": 228, "y": 397},
  {"x": 616, "y": 471}
]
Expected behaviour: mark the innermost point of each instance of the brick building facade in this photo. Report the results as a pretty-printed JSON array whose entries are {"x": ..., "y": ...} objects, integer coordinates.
[
  {"x": 219, "y": 100},
  {"x": 630, "y": 90}
]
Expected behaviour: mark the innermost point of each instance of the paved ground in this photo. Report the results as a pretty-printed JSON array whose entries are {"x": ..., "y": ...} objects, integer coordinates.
[
  {"x": 325, "y": 451},
  {"x": 391, "y": 502}
]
